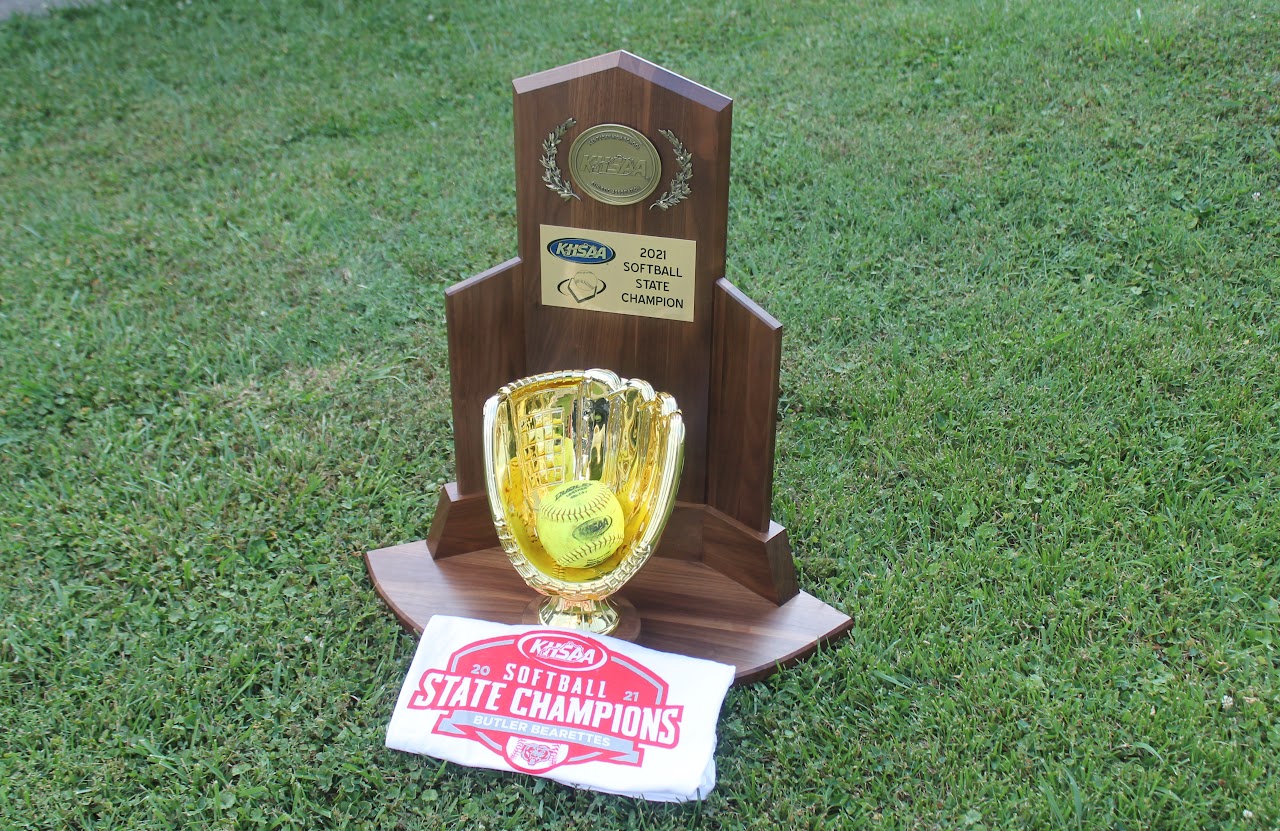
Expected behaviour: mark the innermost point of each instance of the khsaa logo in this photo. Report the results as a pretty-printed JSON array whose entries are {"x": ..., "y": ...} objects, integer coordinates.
[
  {"x": 563, "y": 651},
  {"x": 581, "y": 250}
]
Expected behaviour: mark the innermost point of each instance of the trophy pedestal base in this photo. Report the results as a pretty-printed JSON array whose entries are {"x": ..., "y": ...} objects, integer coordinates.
[
  {"x": 628, "y": 618},
  {"x": 683, "y": 606}
]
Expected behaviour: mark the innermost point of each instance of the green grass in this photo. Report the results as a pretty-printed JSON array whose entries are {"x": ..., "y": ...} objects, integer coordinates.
[{"x": 1027, "y": 257}]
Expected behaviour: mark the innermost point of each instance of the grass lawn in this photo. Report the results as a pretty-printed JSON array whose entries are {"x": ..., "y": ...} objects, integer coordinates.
[{"x": 1028, "y": 258}]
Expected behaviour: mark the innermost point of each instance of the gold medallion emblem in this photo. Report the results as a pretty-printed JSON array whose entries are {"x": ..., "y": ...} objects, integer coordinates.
[{"x": 615, "y": 164}]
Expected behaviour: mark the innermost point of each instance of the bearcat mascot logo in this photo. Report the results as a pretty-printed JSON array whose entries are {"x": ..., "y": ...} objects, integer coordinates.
[{"x": 550, "y": 698}]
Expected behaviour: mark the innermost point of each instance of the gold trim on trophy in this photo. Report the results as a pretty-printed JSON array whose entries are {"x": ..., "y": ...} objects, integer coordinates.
[
  {"x": 615, "y": 164},
  {"x": 551, "y": 175},
  {"x": 678, "y": 190}
]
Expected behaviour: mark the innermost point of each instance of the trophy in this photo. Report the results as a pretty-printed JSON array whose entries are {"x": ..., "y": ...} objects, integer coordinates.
[
  {"x": 581, "y": 470},
  {"x": 621, "y": 214}
]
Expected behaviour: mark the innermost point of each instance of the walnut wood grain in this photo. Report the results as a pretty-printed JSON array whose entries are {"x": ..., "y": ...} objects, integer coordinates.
[
  {"x": 674, "y": 356},
  {"x": 746, "y": 363},
  {"x": 685, "y": 607},
  {"x": 485, "y": 322},
  {"x": 758, "y": 560},
  {"x": 463, "y": 523}
]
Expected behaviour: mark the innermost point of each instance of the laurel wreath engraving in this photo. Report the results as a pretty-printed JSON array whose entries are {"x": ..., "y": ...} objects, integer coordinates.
[
  {"x": 550, "y": 167},
  {"x": 679, "y": 187}
]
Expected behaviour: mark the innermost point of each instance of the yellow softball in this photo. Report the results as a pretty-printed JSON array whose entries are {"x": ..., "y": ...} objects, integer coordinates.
[{"x": 580, "y": 523}]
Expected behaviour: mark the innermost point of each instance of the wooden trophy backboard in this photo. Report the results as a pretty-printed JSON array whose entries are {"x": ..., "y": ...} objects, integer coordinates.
[{"x": 622, "y": 198}]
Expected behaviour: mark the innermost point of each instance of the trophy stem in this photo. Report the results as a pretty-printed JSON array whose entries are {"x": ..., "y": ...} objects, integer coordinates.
[
  {"x": 615, "y": 617},
  {"x": 599, "y": 617}
]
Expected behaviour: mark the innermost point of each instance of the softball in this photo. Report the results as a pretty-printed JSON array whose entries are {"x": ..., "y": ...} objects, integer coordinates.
[{"x": 580, "y": 523}]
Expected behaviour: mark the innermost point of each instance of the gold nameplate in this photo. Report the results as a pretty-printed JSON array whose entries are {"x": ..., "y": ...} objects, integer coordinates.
[
  {"x": 628, "y": 274},
  {"x": 615, "y": 164}
]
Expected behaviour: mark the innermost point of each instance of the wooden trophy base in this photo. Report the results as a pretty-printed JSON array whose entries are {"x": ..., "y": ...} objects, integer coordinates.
[{"x": 684, "y": 607}]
